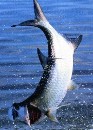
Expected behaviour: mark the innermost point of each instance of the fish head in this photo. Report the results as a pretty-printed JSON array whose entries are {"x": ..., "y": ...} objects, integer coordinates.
[
  {"x": 16, "y": 113},
  {"x": 28, "y": 114}
]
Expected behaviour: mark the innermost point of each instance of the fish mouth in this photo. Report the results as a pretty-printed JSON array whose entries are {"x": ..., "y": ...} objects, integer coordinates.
[{"x": 17, "y": 113}]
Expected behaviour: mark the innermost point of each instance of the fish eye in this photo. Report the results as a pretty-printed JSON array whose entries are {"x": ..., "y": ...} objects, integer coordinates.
[{"x": 14, "y": 113}]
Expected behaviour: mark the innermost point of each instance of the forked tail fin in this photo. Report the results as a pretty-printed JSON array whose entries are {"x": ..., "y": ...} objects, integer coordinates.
[{"x": 39, "y": 15}]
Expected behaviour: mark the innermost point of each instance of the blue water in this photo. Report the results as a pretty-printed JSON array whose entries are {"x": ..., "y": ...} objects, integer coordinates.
[{"x": 20, "y": 69}]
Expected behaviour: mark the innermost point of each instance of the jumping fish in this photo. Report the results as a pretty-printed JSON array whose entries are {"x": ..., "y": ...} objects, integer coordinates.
[
  {"x": 56, "y": 77},
  {"x": 44, "y": 59}
]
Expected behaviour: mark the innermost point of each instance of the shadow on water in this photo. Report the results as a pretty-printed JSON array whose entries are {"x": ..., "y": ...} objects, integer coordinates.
[{"x": 72, "y": 117}]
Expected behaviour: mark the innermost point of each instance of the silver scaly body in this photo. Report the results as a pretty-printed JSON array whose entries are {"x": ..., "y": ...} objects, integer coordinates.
[{"x": 56, "y": 77}]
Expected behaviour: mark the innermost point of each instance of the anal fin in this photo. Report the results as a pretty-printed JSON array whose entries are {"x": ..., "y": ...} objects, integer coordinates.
[
  {"x": 72, "y": 85},
  {"x": 43, "y": 59}
]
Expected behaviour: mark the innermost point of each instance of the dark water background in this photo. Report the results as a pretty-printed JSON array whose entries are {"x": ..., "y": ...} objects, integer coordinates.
[{"x": 20, "y": 69}]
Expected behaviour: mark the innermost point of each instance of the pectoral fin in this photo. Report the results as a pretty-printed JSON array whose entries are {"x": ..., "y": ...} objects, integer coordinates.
[{"x": 51, "y": 114}]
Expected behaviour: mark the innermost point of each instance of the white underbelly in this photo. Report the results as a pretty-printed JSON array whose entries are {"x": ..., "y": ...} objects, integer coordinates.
[{"x": 56, "y": 87}]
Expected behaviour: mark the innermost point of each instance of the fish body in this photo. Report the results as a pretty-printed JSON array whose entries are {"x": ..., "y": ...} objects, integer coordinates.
[{"x": 57, "y": 74}]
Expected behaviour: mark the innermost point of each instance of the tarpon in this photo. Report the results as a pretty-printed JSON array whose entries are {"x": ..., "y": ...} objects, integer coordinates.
[
  {"x": 56, "y": 77},
  {"x": 44, "y": 59}
]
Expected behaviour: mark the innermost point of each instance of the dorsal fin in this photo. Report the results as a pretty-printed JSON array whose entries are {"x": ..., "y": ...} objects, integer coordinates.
[
  {"x": 39, "y": 15},
  {"x": 75, "y": 41},
  {"x": 43, "y": 59}
]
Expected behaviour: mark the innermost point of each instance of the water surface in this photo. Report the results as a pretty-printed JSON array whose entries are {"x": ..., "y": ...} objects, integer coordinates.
[{"x": 20, "y": 69}]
